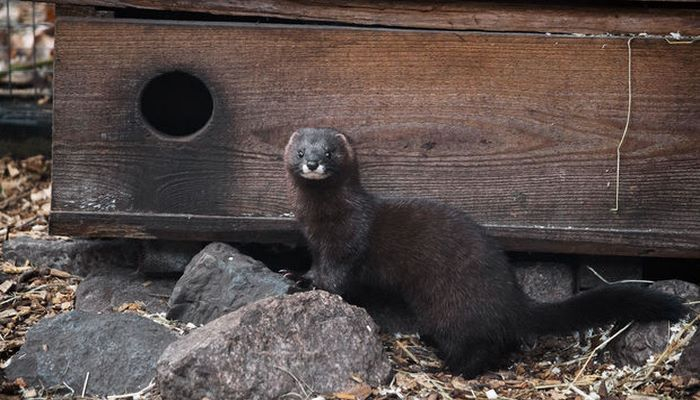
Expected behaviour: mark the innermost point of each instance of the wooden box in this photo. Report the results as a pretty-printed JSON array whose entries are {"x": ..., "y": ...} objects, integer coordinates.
[{"x": 174, "y": 129}]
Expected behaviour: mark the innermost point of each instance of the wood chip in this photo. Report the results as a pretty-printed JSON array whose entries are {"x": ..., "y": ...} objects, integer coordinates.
[
  {"x": 35, "y": 164},
  {"x": 460, "y": 383},
  {"x": 10, "y": 312},
  {"x": 12, "y": 170},
  {"x": 6, "y": 285},
  {"x": 138, "y": 306},
  {"x": 58, "y": 273},
  {"x": 11, "y": 269},
  {"x": 344, "y": 396},
  {"x": 357, "y": 392}
]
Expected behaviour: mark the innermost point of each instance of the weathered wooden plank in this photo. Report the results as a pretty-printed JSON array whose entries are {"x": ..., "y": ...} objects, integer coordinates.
[
  {"x": 519, "y": 130},
  {"x": 454, "y": 15},
  {"x": 177, "y": 226},
  {"x": 284, "y": 230}
]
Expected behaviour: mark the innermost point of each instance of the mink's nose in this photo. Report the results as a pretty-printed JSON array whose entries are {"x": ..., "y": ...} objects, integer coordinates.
[{"x": 312, "y": 165}]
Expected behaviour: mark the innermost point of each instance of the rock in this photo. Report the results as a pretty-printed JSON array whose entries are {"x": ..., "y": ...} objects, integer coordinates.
[
  {"x": 273, "y": 347},
  {"x": 166, "y": 258},
  {"x": 689, "y": 363},
  {"x": 219, "y": 280},
  {"x": 118, "y": 350},
  {"x": 106, "y": 290},
  {"x": 690, "y": 292},
  {"x": 641, "y": 340},
  {"x": 76, "y": 256},
  {"x": 545, "y": 281}
]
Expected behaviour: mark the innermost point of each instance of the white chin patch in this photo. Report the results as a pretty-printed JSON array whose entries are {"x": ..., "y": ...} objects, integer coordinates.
[{"x": 318, "y": 173}]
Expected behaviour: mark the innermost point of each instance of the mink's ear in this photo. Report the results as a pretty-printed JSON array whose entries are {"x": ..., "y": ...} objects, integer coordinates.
[
  {"x": 346, "y": 142},
  {"x": 288, "y": 147},
  {"x": 291, "y": 140}
]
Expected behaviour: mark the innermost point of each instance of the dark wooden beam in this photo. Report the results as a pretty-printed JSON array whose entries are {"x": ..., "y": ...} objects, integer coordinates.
[
  {"x": 577, "y": 17},
  {"x": 284, "y": 230}
]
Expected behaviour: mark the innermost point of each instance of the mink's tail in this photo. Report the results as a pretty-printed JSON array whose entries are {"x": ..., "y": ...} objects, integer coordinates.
[{"x": 602, "y": 306}]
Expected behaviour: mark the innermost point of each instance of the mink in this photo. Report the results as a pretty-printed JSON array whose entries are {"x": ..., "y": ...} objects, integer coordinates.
[{"x": 455, "y": 279}]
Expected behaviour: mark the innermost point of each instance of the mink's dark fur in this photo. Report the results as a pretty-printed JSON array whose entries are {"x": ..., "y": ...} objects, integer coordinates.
[{"x": 456, "y": 281}]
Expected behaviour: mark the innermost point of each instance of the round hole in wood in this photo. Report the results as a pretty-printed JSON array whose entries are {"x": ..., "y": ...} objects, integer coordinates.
[{"x": 176, "y": 103}]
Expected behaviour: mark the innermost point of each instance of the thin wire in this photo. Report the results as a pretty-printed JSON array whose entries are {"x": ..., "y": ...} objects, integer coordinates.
[
  {"x": 627, "y": 124},
  {"x": 9, "y": 46},
  {"x": 35, "y": 69}
]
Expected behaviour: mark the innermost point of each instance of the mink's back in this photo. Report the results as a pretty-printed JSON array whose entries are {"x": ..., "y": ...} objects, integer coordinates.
[{"x": 447, "y": 263}]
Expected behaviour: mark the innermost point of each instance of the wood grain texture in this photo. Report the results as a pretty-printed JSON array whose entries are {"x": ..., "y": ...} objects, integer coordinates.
[
  {"x": 518, "y": 130},
  {"x": 515, "y": 16}
]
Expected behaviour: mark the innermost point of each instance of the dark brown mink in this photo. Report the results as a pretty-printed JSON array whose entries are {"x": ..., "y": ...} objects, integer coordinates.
[{"x": 455, "y": 279}]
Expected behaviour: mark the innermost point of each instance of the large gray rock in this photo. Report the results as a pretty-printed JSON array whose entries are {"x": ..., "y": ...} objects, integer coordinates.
[
  {"x": 166, "y": 258},
  {"x": 546, "y": 281},
  {"x": 76, "y": 256},
  {"x": 641, "y": 340},
  {"x": 310, "y": 341},
  {"x": 118, "y": 350},
  {"x": 106, "y": 290},
  {"x": 219, "y": 280}
]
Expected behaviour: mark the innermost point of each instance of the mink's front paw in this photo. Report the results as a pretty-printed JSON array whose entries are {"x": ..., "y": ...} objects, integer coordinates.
[{"x": 301, "y": 282}]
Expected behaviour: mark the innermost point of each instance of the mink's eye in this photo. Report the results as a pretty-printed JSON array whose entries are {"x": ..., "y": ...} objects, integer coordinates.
[
  {"x": 328, "y": 154},
  {"x": 300, "y": 153}
]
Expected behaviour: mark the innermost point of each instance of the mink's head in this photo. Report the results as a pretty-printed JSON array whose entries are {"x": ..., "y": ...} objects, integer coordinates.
[{"x": 316, "y": 154}]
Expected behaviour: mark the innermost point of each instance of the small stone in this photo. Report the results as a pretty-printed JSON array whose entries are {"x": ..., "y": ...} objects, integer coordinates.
[
  {"x": 642, "y": 340},
  {"x": 219, "y": 280},
  {"x": 274, "y": 347},
  {"x": 118, "y": 350},
  {"x": 545, "y": 281}
]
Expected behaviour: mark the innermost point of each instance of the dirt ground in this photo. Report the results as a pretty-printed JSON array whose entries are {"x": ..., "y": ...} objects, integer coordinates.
[{"x": 574, "y": 367}]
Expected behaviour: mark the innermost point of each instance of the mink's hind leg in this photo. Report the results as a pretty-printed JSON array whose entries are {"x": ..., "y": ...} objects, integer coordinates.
[{"x": 471, "y": 356}]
